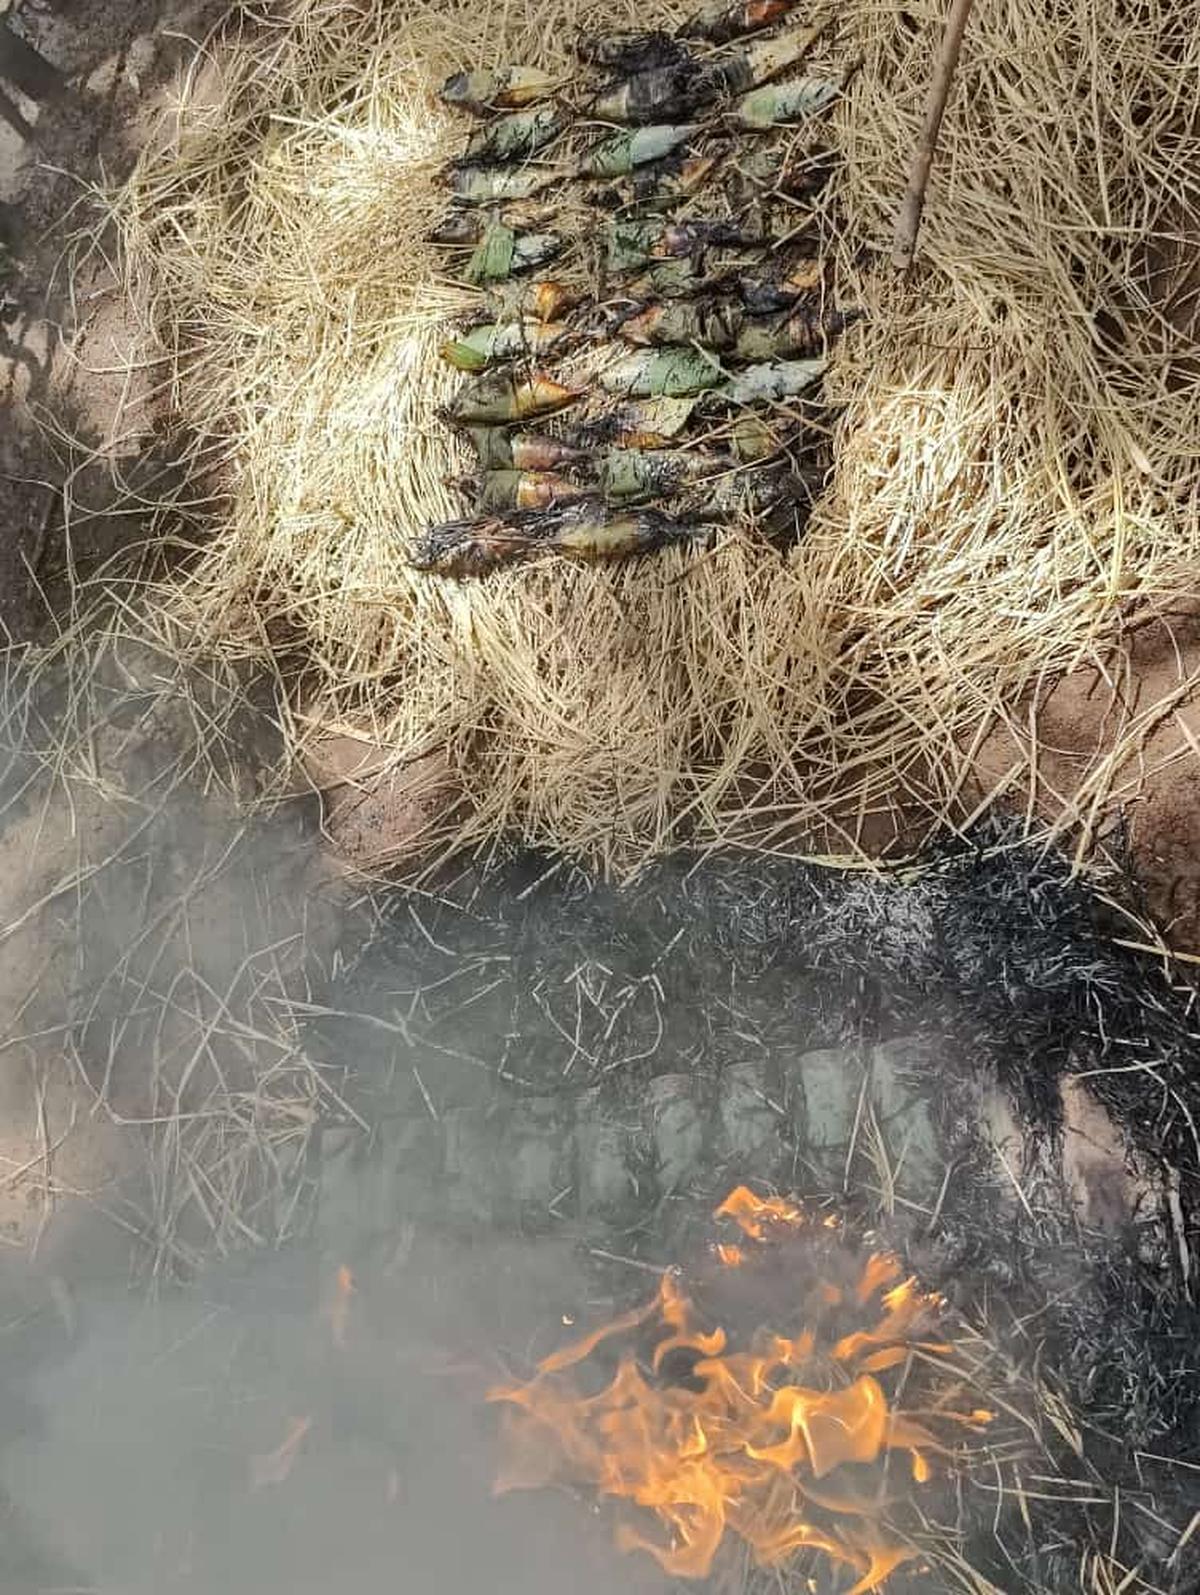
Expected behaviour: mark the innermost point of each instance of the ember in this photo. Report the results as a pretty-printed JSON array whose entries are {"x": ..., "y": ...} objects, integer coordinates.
[
  {"x": 337, "y": 1309},
  {"x": 275, "y": 1466},
  {"x": 785, "y": 1444}
]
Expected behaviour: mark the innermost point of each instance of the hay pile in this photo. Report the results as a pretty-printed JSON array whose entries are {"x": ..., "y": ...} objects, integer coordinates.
[{"x": 1015, "y": 465}]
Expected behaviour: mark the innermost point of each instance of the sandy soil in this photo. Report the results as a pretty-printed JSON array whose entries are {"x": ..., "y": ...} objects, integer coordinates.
[{"x": 1055, "y": 759}]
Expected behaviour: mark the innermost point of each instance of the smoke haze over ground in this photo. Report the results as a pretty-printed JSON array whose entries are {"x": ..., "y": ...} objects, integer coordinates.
[
  {"x": 504, "y": 1106},
  {"x": 134, "y": 1460},
  {"x": 173, "y": 1324}
]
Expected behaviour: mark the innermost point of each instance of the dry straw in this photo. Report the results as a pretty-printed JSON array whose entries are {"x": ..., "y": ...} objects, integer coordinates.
[{"x": 1016, "y": 463}]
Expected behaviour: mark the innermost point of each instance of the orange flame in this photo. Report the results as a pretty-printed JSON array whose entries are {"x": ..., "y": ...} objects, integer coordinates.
[
  {"x": 714, "y": 1441},
  {"x": 756, "y": 1214}
]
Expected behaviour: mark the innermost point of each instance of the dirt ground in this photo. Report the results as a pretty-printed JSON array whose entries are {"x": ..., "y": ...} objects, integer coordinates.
[
  {"x": 1055, "y": 758},
  {"x": 77, "y": 434},
  {"x": 61, "y": 401}
]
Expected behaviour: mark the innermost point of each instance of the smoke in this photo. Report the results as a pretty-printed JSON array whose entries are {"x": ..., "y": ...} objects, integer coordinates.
[
  {"x": 134, "y": 1456},
  {"x": 165, "y": 1314},
  {"x": 141, "y": 1466},
  {"x": 227, "y": 1074}
]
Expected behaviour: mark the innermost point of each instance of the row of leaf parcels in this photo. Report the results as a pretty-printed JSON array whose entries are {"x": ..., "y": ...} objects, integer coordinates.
[{"x": 663, "y": 379}]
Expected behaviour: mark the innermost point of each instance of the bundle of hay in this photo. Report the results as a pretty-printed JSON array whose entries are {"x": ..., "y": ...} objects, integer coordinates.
[{"x": 1014, "y": 466}]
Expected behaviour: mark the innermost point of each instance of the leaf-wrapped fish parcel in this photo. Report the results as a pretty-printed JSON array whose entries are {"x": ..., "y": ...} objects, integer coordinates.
[
  {"x": 505, "y": 88},
  {"x": 503, "y": 253},
  {"x": 494, "y": 342},
  {"x": 512, "y": 138},
  {"x": 714, "y": 323},
  {"x": 630, "y": 52},
  {"x": 780, "y": 103},
  {"x": 673, "y": 372},
  {"x": 498, "y": 450},
  {"x": 630, "y": 245},
  {"x": 806, "y": 330},
  {"x": 640, "y": 473},
  {"x": 587, "y": 529},
  {"x": 636, "y": 423},
  {"x": 500, "y": 398},
  {"x": 761, "y": 61},
  {"x": 618, "y": 155},
  {"x": 544, "y": 300},
  {"x": 661, "y": 94},
  {"x": 773, "y": 380},
  {"x": 489, "y": 185},
  {"x": 522, "y": 490},
  {"x": 719, "y": 20}
]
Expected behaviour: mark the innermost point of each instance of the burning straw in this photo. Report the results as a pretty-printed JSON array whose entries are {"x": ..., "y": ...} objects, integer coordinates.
[
  {"x": 1015, "y": 465},
  {"x": 785, "y": 1443}
]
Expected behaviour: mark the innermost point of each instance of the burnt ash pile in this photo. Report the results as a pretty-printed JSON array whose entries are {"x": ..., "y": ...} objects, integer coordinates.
[
  {"x": 673, "y": 357},
  {"x": 538, "y": 1056}
]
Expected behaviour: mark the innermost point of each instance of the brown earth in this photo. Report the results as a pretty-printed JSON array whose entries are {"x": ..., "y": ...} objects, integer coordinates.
[
  {"x": 1055, "y": 758},
  {"x": 76, "y": 435}
]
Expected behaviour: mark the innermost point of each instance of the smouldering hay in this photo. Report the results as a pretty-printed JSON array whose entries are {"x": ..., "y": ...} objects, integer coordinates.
[
  {"x": 788, "y": 1443},
  {"x": 1016, "y": 465},
  {"x": 1001, "y": 962}
]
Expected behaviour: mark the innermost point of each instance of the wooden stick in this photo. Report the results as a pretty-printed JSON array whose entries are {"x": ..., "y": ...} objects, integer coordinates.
[{"x": 909, "y": 220}]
